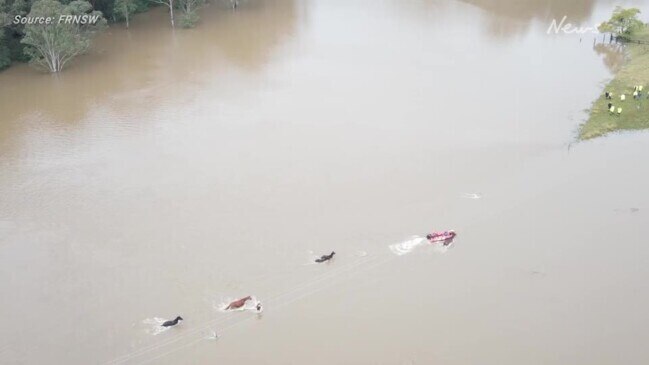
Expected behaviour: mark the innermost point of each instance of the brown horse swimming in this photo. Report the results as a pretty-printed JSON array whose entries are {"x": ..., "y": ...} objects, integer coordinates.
[{"x": 238, "y": 303}]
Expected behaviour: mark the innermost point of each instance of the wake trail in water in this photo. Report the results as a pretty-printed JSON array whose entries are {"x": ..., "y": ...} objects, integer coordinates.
[
  {"x": 227, "y": 323},
  {"x": 409, "y": 245},
  {"x": 406, "y": 247},
  {"x": 278, "y": 304},
  {"x": 207, "y": 326},
  {"x": 155, "y": 326},
  {"x": 206, "y": 330},
  {"x": 474, "y": 196}
]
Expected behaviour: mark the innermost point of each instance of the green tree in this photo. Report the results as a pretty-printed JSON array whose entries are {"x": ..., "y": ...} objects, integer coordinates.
[
  {"x": 125, "y": 8},
  {"x": 52, "y": 46},
  {"x": 189, "y": 9},
  {"x": 15, "y": 32},
  {"x": 141, "y": 5},
  {"x": 5, "y": 59},
  {"x": 623, "y": 23},
  {"x": 105, "y": 6}
]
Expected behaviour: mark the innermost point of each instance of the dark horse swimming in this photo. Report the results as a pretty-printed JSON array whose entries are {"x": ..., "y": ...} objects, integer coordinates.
[
  {"x": 324, "y": 258},
  {"x": 172, "y": 322}
]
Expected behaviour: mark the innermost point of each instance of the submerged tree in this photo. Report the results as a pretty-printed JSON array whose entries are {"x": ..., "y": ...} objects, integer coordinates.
[
  {"x": 190, "y": 16},
  {"x": 125, "y": 8},
  {"x": 623, "y": 23},
  {"x": 53, "y": 45},
  {"x": 170, "y": 4}
]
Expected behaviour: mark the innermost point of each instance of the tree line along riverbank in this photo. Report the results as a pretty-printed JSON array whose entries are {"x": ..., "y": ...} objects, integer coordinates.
[{"x": 50, "y": 46}]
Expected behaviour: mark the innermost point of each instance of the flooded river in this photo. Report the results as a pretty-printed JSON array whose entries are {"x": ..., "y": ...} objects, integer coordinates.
[{"x": 166, "y": 173}]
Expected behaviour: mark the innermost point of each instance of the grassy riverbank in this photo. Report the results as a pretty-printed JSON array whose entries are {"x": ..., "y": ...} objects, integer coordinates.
[{"x": 635, "y": 113}]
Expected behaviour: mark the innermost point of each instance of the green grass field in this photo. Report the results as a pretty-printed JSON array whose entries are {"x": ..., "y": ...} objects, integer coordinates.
[{"x": 635, "y": 113}]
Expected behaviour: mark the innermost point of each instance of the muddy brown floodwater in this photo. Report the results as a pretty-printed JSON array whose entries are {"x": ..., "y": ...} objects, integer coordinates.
[{"x": 167, "y": 173}]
